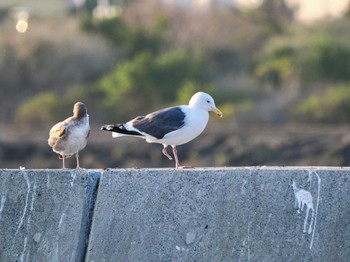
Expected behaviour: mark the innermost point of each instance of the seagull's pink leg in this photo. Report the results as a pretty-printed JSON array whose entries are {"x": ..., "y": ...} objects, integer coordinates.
[
  {"x": 64, "y": 166},
  {"x": 177, "y": 164},
  {"x": 166, "y": 152}
]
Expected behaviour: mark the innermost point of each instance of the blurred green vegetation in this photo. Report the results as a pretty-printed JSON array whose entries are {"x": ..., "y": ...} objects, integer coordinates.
[
  {"x": 39, "y": 110},
  {"x": 328, "y": 59},
  {"x": 332, "y": 106},
  {"x": 143, "y": 60},
  {"x": 276, "y": 65},
  {"x": 132, "y": 40}
]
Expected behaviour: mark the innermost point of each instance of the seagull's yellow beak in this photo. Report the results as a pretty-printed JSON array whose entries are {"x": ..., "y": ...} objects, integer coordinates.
[{"x": 217, "y": 112}]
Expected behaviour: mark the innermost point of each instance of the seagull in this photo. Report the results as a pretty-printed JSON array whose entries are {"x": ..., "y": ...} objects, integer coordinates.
[
  {"x": 170, "y": 126},
  {"x": 70, "y": 136}
]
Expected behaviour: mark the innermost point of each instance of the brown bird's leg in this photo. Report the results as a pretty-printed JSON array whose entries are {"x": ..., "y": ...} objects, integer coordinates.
[
  {"x": 77, "y": 157},
  {"x": 177, "y": 164},
  {"x": 166, "y": 152}
]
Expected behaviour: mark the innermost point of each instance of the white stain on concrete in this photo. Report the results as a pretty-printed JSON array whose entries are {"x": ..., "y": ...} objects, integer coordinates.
[
  {"x": 25, "y": 175},
  {"x": 61, "y": 220},
  {"x": 25, "y": 244},
  {"x": 267, "y": 223},
  {"x": 24, "y": 254},
  {"x": 48, "y": 182},
  {"x": 178, "y": 248},
  {"x": 317, "y": 202},
  {"x": 248, "y": 241},
  {"x": 37, "y": 237},
  {"x": 190, "y": 237},
  {"x": 305, "y": 201},
  {"x": 2, "y": 204},
  {"x": 303, "y": 198},
  {"x": 27, "y": 212},
  {"x": 73, "y": 175}
]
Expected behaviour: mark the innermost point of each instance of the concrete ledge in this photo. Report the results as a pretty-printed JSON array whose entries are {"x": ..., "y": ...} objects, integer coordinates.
[
  {"x": 44, "y": 214},
  {"x": 204, "y": 214}
]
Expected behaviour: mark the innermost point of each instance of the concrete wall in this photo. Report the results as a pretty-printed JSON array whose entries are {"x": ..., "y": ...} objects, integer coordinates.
[{"x": 211, "y": 214}]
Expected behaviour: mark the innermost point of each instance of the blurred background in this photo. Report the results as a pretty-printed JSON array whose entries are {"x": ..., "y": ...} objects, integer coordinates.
[{"x": 278, "y": 69}]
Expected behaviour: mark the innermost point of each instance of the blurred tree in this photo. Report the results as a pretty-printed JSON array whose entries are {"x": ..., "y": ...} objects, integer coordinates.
[
  {"x": 347, "y": 11},
  {"x": 276, "y": 14},
  {"x": 130, "y": 81},
  {"x": 328, "y": 59},
  {"x": 131, "y": 40},
  {"x": 331, "y": 107},
  {"x": 174, "y": 69},
  {"x": 11, "y": 80},
  {"x": 90, "y": 5},
  {"x": 189, "y": 88},
  {"x": 40, "y": 110},
  {"x": 148, "y": 74},
  {"x": 11, "y": 66},
  {"x": 276, "y": 65},
  {"x": 150, "y": 81}
]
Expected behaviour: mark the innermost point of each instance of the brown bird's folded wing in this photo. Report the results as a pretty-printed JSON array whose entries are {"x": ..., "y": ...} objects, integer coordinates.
[{"x": 56, "y": 132}]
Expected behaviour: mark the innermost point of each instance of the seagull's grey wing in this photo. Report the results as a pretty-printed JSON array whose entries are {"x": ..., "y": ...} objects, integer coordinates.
[{"x": 160, "y": 123}]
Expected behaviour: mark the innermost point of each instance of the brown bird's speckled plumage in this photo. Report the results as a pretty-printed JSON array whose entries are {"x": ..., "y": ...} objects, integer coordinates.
[{"x": 70, "y": 136}]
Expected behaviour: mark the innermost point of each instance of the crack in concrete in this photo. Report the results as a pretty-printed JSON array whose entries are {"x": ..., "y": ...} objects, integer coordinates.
[{"x": 87, "y": 216}]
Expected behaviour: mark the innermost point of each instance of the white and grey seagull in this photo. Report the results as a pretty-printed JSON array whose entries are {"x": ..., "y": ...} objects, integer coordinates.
[
  {"x": 170, "y": 126},
  {"x": 70, "y": 136}
]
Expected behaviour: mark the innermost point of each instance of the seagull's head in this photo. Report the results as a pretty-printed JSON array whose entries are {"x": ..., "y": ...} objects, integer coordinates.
[
  {"x": 205, "y": 101},
  {"x": 79, "y": 110}
]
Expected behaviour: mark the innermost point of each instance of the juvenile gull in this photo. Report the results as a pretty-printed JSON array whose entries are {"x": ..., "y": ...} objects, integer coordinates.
[
  {"x": 170, "y": 126},
  {"x": 70, "y": 136}
]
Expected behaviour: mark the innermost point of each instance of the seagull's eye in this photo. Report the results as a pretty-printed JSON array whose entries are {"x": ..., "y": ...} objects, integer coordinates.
[{"x": 208, "y": 101}]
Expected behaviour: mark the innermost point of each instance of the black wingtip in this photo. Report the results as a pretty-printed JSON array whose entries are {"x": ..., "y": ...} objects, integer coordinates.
[
  {"x": 120, "y": 128},
  {"x": 107, "y": 128}
]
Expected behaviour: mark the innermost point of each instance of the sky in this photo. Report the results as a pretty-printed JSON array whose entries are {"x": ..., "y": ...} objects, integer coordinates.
[
  {"x": 307, "y": 10},
  {"x": 310, "y": 10}
]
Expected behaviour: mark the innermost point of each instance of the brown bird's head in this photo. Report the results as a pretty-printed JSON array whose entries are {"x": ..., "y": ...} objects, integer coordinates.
[{"x": 79, "y": 110}]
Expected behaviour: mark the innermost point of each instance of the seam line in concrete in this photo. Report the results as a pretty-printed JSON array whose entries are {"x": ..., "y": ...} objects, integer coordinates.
[{"x": 87, "y": 216}]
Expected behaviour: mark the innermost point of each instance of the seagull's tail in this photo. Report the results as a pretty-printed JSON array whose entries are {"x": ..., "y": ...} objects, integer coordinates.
[{"x": 119, "y": 130}]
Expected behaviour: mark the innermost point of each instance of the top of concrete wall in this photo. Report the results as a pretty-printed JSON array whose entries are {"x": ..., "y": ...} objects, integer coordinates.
[{"x": 201, "y": 214}]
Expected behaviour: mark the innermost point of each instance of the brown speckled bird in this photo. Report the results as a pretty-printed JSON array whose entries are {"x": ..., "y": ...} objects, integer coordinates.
[{"x": 70, "y": 136}]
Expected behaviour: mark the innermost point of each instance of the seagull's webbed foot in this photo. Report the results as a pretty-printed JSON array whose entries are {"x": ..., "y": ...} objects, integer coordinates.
[
  {"x": 183, "y": 167},
  {"x": 177, "y": 163}
]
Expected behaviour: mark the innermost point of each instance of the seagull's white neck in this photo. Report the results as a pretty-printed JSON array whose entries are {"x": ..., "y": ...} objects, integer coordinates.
[{"x": 196, "y": 106}]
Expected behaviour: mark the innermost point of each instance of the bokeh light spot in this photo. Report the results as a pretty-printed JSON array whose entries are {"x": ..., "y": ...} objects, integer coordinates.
[{"x": 22, "y": 26}]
